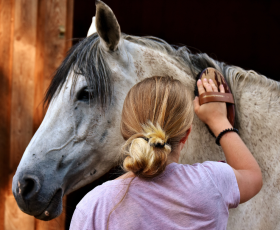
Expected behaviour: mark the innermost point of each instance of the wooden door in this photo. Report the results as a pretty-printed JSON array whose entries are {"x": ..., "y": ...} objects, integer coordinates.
[{"x": 34, "y": 38}]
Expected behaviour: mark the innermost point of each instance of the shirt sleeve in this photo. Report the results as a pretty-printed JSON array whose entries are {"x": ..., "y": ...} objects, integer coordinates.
[{"x": 224, "y": 178}]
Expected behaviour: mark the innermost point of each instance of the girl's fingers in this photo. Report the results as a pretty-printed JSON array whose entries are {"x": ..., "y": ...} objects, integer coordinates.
[
  {"x": 222, "y": 89},
  {"x": 214, "y": 87},
  {"x": 200, "y": 87},
  {"x": 196, "y": 104},
  {"x": 206, "y": 85}
]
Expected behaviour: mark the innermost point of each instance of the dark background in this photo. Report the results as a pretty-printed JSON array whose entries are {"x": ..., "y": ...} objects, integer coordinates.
[{"x": 244, "y": 33}]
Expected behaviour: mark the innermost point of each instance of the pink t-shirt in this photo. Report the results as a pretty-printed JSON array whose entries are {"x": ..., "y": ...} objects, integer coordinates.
[{"x": 183, "y": 197}]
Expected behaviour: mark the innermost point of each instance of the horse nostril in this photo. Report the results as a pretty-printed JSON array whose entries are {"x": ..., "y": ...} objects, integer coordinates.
[{"x": 29, "y": 186}]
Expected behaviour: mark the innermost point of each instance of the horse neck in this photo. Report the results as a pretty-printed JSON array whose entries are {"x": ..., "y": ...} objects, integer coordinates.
[
  {"x": 149, "y": 62},
  {"x": 254, "y": 89},
  {"x": 257, "y": 106}
]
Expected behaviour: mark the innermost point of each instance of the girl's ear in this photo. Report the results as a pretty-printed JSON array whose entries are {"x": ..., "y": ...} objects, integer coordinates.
[{"x": 184, "y": 139}]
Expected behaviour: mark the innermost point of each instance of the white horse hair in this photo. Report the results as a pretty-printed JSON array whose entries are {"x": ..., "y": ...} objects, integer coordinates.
[{"x": 79, "y": 139}]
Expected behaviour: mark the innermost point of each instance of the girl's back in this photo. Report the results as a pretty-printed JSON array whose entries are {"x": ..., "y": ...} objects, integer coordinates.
[{"x": 182, "y": 197}]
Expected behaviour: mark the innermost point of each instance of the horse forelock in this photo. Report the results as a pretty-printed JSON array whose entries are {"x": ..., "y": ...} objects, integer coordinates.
[{"x": 85, "y": 58}]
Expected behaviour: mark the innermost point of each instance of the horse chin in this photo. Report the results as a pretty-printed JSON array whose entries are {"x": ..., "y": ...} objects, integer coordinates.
[{"x": 53, "y": 209}]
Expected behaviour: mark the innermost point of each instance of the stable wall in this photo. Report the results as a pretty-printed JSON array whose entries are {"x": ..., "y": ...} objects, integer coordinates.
[{"x": 34, "y": 38}]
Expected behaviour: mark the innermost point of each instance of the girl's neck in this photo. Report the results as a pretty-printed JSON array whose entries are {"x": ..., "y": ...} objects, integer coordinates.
[{"x": 170, "y": 160}]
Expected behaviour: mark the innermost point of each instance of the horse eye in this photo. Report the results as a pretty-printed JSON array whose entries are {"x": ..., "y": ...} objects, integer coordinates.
[{"x": 85, "y": 95}]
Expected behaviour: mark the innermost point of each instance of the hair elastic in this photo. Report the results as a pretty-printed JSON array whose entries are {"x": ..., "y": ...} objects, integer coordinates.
[{"x": 156, "y": 145}]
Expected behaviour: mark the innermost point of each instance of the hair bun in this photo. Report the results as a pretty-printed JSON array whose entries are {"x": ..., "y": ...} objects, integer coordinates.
[{"x": 147, "y": 155}]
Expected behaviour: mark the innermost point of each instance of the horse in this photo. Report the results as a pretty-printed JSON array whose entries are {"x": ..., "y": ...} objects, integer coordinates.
[{"x": 79, "y": 139}]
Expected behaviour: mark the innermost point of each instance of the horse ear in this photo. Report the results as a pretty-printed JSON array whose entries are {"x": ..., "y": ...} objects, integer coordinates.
[
  {"x": 107, "y": 26},
  {"x": 92, "y": 28}
]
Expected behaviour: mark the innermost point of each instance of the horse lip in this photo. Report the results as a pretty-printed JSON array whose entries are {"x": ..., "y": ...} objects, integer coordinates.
[{"x": 53, "y": 208}]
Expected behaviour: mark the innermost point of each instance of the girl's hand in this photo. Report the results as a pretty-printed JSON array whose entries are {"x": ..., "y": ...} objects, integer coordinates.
[{"x": 214, "y": 114}]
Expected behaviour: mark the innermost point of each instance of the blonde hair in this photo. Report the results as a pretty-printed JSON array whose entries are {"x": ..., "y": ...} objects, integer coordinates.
[{"x": 157, "y": 113}]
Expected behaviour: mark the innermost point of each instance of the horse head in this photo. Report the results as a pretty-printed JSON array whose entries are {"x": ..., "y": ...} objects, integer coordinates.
[{"x": 79, "y": 138}]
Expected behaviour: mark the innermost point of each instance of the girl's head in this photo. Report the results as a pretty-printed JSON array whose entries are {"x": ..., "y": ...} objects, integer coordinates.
[{"x": 157, "y": 113}]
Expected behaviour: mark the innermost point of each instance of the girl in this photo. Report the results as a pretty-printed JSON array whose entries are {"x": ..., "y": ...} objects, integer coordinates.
[{"x": 156, "y": 192}]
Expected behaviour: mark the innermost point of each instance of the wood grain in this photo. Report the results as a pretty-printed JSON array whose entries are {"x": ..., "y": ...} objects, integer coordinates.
[
  {"x": 24, "y": 53},
  {"x": 15, "y": 219},
  {"x": 38, "y": 112},
  {"x": 51, "y": 50},
  {"x": 54, "y": 45},
  {"x": 30, "y": 52},
  {"x": 69, "y": 24},
  {"x": 6, "y": 34}
]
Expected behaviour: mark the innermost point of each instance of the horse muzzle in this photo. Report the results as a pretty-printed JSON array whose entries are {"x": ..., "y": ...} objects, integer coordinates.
[{"x": 33, "y": 199}]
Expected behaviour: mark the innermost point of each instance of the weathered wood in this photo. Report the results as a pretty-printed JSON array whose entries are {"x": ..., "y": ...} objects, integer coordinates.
[
  {"x": 52, "y": 43},
  {"x": 6, "y": 33},
  {"x": 51, "y": 47},
  {"x": 15, "y": 219},
  {"x": 69, "y": 24},
  {"x": 55, "y": 44},
  {"x": 24, "y": 53},
  {"x": 38, "y": 112},
  {"x": 32, "y": 46}
]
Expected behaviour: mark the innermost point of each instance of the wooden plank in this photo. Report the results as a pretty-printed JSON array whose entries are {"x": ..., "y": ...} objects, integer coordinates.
[
  {"x": 69, "y": 24},
  {"x": 24, "y": 53},
  {"x": 15, "y": 218},
  {"x": 6, "y": 33},
  {"x": 51, "y": 50},
  {"x": 23, "y": 78},
  {"x": 54, "y": 45},
  {"x": 38, "y": 112}
]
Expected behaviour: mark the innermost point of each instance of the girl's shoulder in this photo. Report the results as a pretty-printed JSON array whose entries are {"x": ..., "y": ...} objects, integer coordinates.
[{"x": 102, "y": 192}]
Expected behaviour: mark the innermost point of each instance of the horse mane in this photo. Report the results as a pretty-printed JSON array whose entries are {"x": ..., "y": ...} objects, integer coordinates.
[
  {"x": 87, "y": 58},
  {"x": 236, "y": 77}
]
